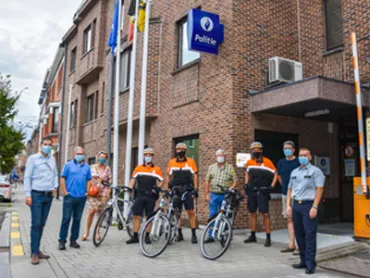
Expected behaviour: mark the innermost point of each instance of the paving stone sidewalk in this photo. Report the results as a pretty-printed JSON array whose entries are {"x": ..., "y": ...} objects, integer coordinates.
[{"x": 116, "y": 259}]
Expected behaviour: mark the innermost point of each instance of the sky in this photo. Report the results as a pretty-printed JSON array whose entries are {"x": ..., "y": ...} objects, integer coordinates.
[{"x": 30, "y": 32}]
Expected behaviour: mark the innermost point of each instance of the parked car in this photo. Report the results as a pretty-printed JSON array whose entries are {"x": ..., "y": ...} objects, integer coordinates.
[{"x": 5, "y": 189}]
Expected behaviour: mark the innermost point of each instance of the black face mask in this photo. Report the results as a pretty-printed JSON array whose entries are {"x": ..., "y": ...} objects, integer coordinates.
[
  {"x": 257, "y": 155},
  {"x": 180, "y": 154}
]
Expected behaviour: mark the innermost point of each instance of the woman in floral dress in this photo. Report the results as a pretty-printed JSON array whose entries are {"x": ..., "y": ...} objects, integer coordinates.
[{"x": 100, "y": 172}]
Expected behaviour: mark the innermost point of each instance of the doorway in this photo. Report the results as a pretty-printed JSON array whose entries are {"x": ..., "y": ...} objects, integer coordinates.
[
  {"x": 273, "y": 146},
  {"x": 192, "y": 142}
]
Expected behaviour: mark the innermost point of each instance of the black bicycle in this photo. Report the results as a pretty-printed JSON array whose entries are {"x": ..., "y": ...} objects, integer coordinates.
[{"x": 217, "y": 235}]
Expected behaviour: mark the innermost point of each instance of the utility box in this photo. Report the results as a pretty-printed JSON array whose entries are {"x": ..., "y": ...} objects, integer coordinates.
[{"x": 361, "y": 210}]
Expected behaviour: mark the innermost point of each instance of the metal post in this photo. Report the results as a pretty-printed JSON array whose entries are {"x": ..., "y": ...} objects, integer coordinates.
[
  {"x": 144, "y": 84},
  {"x": 68, "y": 123},
  {"x": 109, "y": 112},
  {"x": 131, "y": 108},
  {"x": 359, "y": 114},
  {"x": 60, "y": 139}
]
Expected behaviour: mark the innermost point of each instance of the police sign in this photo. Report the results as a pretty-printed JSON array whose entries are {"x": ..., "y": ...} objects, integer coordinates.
[{"x": 205, "y": 32}]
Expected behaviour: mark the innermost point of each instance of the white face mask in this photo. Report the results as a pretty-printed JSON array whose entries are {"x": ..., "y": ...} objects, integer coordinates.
[{"x": 220, "y": 159}]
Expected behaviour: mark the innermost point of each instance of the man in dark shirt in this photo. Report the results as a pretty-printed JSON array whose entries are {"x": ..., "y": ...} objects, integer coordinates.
[{"x": 284, "y": 169}]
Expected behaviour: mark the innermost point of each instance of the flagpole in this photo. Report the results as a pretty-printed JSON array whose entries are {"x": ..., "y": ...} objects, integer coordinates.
[
  {"x": 116, "y": 107},
  {"x": 131, "y": 107},
  {"x": 144, "y": 84},
  {"x": 68, "y": 123}
]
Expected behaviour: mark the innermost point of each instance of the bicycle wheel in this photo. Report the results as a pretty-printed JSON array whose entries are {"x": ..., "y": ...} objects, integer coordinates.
[
  {"x": 155, "y": 243},
  {"x": 130, "y": 224},
  {"x": 215, "y": 246},
  {"x": 174, "y": 227},
  {"x": 102, "y": 226}
]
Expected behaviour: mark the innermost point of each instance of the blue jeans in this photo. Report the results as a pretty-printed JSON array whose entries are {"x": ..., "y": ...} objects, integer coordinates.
[
  {"x": 39, "y": 213},
  {"x": 215, "y": 202},
  {"x": 305, "y": 230},
  {"x": 72, "y": 207}
]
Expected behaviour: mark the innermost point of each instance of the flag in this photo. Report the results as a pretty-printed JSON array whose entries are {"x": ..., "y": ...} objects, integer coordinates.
[
  {"x": 131, "y": 29},
  {"x": 112, "y": 43},
  {"x": 132, "y": 8},
  {"x": 141, "y": 17}
]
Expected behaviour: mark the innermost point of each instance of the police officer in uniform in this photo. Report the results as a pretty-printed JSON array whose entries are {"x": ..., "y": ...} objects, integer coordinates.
[
  {"x": 145, "y": 179},
  {"x": 305, "y": 189}
]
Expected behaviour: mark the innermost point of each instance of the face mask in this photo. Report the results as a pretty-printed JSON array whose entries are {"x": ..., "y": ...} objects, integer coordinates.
[
  {"x": 148, "y": 159},
  {"x": 288, "y": 152},
  {"x": 303, "y": 160},
  {"x": 257, "y": 155},
  {"x": 46, "y": 149},
  {"x": 180, "y": 154},
  {"x": 101, "y": 160},
  {"x": 79, "y": 157},
  {"x": 220, "y": 159}
]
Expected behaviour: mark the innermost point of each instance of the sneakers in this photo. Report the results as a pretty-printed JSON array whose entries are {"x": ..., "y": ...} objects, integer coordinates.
[
  {"x": 62, "y": 245},
  {"x": 43, "y": 256},
  {"x": 299, "y": 266},
  {"x": 194, "y": 239},
  {"x": 251, "y": 239},
  {"x": 74, "y": 244},
  {"x": 267, "y": 242},
  {"x": 134, "y": 239},
  {"x": 35, "y": 259},
  {"x": 147, "y": 240}
]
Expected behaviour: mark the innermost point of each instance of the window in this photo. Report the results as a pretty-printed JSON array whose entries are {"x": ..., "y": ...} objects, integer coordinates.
[
  {"x": 333, "y": 24},
  {"x": 88, "y": 39},
  {"x": 72, "y": 115},
  {"x": 91, "y": 161},
  {"x": 96, "y": 104},
  {"x": 55, "y": 120},
  {"x": 90, "y": 108},
  {"x": 102, "y": 99},
  {"x": 185, "y": 56},
  {"x": 124, "y": 70},
  {"x": 73, "y": 59}
]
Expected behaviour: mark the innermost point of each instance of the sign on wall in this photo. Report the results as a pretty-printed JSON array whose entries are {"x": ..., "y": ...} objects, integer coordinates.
[
  {"x": 241, "y": 159},
  {"x": 323, "y": 163},
  {"x": 205, "y": 32},
  {"x": 349, "y": 167}
]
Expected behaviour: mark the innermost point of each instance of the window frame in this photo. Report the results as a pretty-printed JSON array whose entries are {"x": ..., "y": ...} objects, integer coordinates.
[
  {"x": 73, "y": 59},
  {"x": 88, "y": 39},
  {"x": 180, "y": 50},
  {"x": 90, "y": 108},
  {"x": 72, "y": 115},
  {"x": 326, "y": 12},
  {"x": 55, "y": 123},
  {"x": 124, "y": 72}
]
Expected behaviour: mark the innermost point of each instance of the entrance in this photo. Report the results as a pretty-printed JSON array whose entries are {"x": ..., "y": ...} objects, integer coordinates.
[
  {"x": 273, "y": 146},
  {"x": 349, "y": 168}
]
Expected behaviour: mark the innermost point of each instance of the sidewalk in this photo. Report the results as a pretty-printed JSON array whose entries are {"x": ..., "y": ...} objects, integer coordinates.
[{"x": 116, "y": 259}]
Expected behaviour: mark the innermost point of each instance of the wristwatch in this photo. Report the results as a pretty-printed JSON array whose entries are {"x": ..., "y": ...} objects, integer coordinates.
[{"x": 315, "y": 207}]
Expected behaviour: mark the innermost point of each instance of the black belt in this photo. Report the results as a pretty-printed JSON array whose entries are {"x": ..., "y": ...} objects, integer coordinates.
[
  {"x": 46, "y": 193},
  {"x": 301, "y": 202}
]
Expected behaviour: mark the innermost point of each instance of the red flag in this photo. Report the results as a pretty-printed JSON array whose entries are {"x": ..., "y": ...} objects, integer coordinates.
[{"x": 131, "y": 29}]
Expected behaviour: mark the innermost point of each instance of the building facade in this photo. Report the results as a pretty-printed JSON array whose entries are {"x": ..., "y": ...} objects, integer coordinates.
[{"x": 225, "y": 100}]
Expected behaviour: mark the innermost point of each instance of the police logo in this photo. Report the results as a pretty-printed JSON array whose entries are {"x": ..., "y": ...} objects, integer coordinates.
[{"x": 207, "y": 24}]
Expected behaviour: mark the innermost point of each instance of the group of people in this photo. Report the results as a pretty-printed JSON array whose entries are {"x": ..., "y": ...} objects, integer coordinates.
[{"x": 302, "y": 188}]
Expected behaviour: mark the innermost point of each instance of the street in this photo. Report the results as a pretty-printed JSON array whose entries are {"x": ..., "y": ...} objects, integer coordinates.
[{"x": 116, "y": 259}]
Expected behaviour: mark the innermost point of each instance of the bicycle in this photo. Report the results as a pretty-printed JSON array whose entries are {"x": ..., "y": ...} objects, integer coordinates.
[
  {"x": 162, "y": 224},
  {"x": 105, "y": 219},
  {"x": 219, "y": 228}
]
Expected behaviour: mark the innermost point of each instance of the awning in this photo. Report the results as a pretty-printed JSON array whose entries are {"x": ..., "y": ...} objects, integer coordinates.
[{"x": 318, "y": 98}]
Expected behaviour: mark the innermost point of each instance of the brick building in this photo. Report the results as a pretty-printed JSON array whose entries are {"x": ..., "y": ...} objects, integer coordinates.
[
  {"x": 224, "y": 101},
  {"x": 50, "y": 102}
]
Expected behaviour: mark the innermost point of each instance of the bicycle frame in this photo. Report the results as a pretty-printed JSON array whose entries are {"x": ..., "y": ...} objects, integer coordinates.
[{"x": 113, "y": 202}]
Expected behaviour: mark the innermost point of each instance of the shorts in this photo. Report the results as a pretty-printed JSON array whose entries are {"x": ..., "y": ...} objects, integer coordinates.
[
  {"x": 258, "y": 200},
  {"x": 144, "y": 202},
  {"x": 188, "y": 202}
]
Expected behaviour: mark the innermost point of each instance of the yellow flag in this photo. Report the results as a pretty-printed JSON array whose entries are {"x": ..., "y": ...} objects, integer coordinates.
[{"x": 141, "y": 17}]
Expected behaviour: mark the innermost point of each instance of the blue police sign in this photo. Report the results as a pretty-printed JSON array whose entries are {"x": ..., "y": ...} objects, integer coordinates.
[{"x": 205, "y": 32}]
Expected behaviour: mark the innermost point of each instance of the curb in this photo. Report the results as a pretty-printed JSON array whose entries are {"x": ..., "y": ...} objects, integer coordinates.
[
  {"x": 5, "y": 247},
  {"x": 15, "y": 235}
]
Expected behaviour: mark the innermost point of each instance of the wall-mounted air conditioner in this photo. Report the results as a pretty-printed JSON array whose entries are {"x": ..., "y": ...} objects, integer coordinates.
[{"x": 284, "y": 70}]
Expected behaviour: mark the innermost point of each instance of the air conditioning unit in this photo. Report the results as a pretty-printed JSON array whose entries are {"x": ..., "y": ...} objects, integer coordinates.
[{"x": 284, "y": 70}]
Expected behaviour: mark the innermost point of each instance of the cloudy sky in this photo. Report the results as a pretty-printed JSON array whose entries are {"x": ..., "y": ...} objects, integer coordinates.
[{"x": 30, "y": 32}]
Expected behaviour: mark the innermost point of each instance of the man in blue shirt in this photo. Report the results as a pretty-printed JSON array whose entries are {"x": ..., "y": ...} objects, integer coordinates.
[
  {"x": 285, "y": 167},
  {"x": 75, "y": 182},
  {"x": 305, "y": 188},
  {"x": 40, "y": 184}
]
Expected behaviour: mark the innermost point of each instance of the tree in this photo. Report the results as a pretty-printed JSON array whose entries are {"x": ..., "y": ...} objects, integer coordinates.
[{"x": 10, "y": 139}]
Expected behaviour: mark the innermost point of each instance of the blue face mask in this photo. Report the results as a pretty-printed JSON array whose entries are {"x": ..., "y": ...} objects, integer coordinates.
[
  {"x": 101, "y": 160},
  {"x": 303, "y": 160},
  {"x": 148, "y": 159},
  {"x": 46, "y": 149},
  {"x": 288, "y": 152},
  {"x": 79, "y": 157}
]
